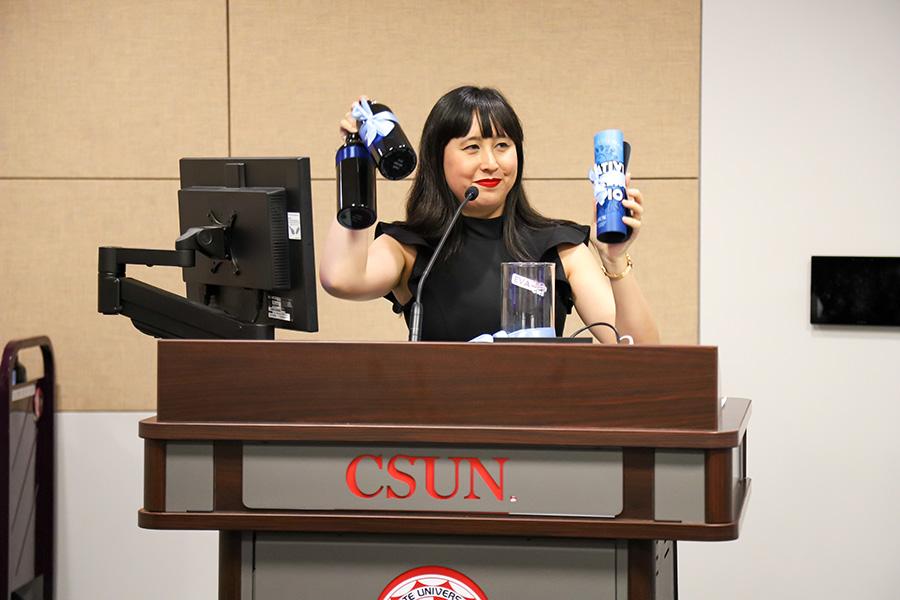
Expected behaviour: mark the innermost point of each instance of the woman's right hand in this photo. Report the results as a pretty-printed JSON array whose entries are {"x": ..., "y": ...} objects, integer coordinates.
[{"x": 348, "y": 123}]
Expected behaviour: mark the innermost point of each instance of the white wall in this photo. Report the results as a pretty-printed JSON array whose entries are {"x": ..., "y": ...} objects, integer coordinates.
[
  {"x": 800, "y": 155},
  {"x": 101, "y": 553}
]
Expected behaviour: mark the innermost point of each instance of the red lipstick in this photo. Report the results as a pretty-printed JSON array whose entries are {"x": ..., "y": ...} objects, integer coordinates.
[{"x": 488, "y": 183}]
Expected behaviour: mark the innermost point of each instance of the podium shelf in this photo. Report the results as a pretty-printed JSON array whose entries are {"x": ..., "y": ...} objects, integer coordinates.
[
  {"x": 457, "y": 525},
  {"x": 734, "y": 421}
]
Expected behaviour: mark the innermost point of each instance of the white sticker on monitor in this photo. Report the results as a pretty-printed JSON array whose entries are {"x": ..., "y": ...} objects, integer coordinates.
[
  {"x": 294, "y": 225},
  {"x": 280, "y": 308}
]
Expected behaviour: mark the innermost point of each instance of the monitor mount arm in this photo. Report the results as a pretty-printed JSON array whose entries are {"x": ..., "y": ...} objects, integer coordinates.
[
  {"x": 160, "y": 313},
  {"x": 212, "y": 240}
]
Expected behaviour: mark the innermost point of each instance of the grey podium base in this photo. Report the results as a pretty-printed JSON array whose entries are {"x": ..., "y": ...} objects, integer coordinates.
[{"x": 276, "y": 566}]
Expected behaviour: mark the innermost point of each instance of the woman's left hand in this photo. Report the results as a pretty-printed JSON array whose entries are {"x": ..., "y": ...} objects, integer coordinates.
[{"x": 612, "y": 253}]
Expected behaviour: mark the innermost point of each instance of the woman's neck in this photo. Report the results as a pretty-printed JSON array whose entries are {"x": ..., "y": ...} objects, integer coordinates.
[{"x": 482, "y": 212}]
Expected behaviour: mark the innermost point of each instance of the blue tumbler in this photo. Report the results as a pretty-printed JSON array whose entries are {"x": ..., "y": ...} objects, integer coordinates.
[{"x": 608, "y": 176}]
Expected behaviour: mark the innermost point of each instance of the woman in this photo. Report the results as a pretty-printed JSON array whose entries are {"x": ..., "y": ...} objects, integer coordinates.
[{"x": 472, "y": 137}]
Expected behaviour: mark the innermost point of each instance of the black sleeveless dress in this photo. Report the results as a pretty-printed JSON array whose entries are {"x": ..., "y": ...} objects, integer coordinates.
[{"x": 462, "y": 295}]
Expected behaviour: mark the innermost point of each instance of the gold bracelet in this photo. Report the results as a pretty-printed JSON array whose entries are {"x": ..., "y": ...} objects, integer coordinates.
[{"x": 625, "y": 271}]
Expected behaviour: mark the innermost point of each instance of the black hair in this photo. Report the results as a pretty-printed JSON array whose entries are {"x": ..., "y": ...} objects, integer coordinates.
[{"x": 431, "y": 203}]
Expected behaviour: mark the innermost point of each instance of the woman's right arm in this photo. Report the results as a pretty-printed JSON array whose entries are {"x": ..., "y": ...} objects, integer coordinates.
[{"x": 353, "y": 269}]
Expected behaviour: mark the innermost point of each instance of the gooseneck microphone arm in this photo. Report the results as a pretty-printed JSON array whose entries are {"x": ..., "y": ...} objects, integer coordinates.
[{"x": 415, "y": 319}]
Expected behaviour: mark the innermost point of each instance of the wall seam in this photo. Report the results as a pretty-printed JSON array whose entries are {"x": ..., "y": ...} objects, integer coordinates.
[
  {"x": 699, "y": 185},
  {"x": 27, "y": 178},
  {"x": 228, "y": 66},
  {"x": 50, "y": 178}
]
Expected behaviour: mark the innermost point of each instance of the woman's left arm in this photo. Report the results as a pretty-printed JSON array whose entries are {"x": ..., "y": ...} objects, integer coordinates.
[
  {"x": 633, "y": 315},
  {"x": 594, "y": 300}
]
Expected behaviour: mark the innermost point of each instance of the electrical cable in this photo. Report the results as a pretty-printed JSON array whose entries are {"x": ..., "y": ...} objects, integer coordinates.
[{"x": 605, "y": 324}]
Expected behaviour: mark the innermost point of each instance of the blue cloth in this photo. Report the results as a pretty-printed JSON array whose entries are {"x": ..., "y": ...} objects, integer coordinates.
[{"x": 534, "y": 332}]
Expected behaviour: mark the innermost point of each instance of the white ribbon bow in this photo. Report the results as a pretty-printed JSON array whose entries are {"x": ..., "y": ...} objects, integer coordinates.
[{"x": 373, "y": 125}]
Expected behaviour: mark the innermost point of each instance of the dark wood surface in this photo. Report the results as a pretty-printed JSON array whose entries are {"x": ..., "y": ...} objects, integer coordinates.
[
  {"x": 412, "y": 523},
  {"x": 154, "y": 475},
  {"x": 641, "y": 569},
  {"x": 736, "y": 415},
  {"x": 719, "y": 485},
  {"x": 151, "y": 428},
  {"x": 439, "y": 384},
  {"x": 637, "y": 484},
  {"x": 230, "y": 565},
  {"x": 228, "y": 472}
]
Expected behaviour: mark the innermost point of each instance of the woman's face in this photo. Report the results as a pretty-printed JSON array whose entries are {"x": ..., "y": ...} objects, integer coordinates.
[{"x": 490, "y": 164}]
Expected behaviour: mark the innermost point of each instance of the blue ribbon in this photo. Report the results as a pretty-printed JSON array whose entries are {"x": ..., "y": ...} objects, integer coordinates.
[
  {"x": 599, "y": 185},
  {"x": 373, "y": 125}
]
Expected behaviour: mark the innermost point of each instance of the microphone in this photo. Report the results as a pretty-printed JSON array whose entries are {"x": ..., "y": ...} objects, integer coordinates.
[{"x": 415, "y": 321}]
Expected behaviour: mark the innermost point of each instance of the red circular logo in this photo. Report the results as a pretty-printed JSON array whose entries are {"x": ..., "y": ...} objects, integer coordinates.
[{"x": 432, "y": 583}]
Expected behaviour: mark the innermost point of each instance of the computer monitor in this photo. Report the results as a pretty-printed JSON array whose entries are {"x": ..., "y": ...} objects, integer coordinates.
[{"x": 250, "y": 220}]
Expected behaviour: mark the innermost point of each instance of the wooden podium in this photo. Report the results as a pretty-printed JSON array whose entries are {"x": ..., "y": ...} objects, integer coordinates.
[{"x": 443, "y": 470}]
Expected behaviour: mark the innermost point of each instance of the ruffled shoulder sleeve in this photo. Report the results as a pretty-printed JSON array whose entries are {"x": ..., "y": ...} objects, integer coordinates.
[
  {"x": 544, "y": 243},
  {"x": 424, "y": 250},
  {"x": 399, "y": 232},
  {"x": 548, "y": 238}
]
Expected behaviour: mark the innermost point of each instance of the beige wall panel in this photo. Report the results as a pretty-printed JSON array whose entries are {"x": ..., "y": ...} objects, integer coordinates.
[
  {"x": 569, "y": 69},
  {"x": 344, "y": 319},
  {"x": 49, "y": 236},
  {"x": 98, "y": 88},
  {"x": 665, "y": 254}
]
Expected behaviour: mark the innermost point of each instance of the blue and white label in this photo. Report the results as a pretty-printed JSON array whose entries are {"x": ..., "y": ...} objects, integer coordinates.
[{"x": 609, "y": 181}]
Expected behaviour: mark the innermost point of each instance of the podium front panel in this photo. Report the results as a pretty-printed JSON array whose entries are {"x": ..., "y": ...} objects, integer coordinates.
[
  {"x": 291, "y": 566},
  {"x": 472, "y": 480},
  {"x": 443, "y": 384},
  {"x": 236, "y": 482}
]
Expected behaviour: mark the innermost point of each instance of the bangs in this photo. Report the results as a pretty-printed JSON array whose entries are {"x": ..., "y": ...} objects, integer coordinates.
[
  {"x": 489, "y": 123},
  {"x": 493, "y": 112}
]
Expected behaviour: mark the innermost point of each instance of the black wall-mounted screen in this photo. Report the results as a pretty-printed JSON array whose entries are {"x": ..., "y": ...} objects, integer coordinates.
[{"x": 855, "y": 290}]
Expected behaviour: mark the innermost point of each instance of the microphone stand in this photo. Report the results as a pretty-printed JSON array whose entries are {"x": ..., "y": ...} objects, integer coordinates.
[{"x": 415, "y": 320}]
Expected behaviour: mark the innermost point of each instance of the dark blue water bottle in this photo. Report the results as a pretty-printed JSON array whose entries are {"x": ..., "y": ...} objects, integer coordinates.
[
  {"x": 608, "y": 176},
  {"x": 355, "y": 171}
]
